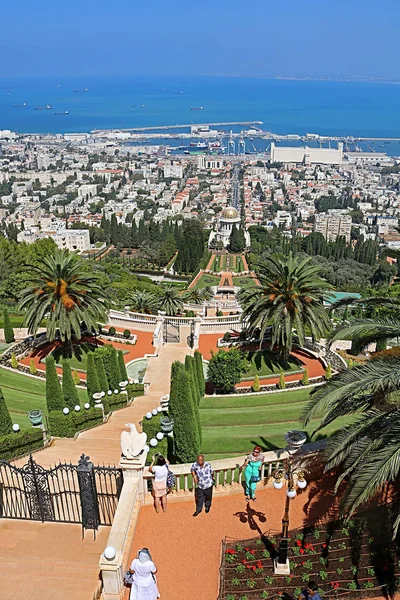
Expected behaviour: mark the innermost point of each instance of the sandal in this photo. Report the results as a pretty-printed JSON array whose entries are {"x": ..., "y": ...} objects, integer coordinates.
[{"x": 247, "y": 498}]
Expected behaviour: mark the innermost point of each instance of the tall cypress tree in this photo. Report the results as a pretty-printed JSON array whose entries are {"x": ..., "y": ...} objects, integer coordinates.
[
  {"x": 121, "y": 365},
  {"x": 54, "y": 395},
  {"x": 101, "y": 372},
  {"x": 115, "y": 375},
  {"x": 92, "y": 380},
  {"x": 200, "y": 371},
  {"x": 181, "y": 406},
  {"x": 8, "y": 330},
  {"x": 5, "y": 419},
  {"x": 70, "y": 393}
]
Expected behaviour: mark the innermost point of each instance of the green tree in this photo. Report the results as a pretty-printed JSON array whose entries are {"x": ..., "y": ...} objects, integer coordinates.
[
  {"x": 32, "y": 367},
  {"x": 54, "y": 394},
  {"x": 226, "y": 368},
  {"x": 182, "y": 409},
  {"x": 305, "y": 380},
  {"x": 290, "y": 298},
  {"x": 68, "y": 292},
  {"x": 14, "y": 362},
  {"x": 170, "y": 300},
  {"x": 71, "y": 398},
  {"x": 92, "y": 380},
  {"x": 237, "y": 240},
  {"x": 75, "y": 377},
  {"x": 5, "y": 419},
  {"x": 8, "y": 330},
  {"x": 121, "y": 365},
  {"x": 101, "y": 372}
]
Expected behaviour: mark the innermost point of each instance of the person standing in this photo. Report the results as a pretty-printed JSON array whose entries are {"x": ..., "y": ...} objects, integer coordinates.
[
  {"x": 144, "y": 584},
  {"x": 203, "y": 480},
  {"x": 252, "y": 466},
  {"x": 160, "y": 471},
  {"x": 310, "y": 592}
]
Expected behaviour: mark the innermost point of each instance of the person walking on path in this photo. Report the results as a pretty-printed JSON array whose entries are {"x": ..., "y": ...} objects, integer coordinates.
[
  {"x": 203, "y": 480},
  {"x": 252, "y": 466},
  {"x": 160, "y": 471},
  {"x": 144, "y": 584}
]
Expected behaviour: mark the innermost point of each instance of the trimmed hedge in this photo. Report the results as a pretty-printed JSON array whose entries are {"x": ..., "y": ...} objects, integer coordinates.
[
  {"x": 8, "y": 330},
  {"x": 68, "y": 425},
  {"x": 135, "y": 389},
  {"x": 19, "y": 444}
]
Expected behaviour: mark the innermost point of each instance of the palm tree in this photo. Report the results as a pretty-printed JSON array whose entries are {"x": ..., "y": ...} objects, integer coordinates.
[
  {"x": 143, "y": 301},
  {"x": 290, "y": 297},
  {"x": 368, "y": 449},
  {"x": 170, "y": 300},
  {"x": 65, "y": 292},
  {"x": 198, "y": 296}
]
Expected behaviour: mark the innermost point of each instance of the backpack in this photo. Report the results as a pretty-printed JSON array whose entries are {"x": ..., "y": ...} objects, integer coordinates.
[{"x": 171, "y": 480}]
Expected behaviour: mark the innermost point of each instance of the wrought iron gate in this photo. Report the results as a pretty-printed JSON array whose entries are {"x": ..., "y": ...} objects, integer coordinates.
[
  {"x": 67, "y": 493},
  {"x": 172, "y": 333}
]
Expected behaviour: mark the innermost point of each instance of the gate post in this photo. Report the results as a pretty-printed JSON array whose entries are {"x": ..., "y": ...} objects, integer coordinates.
[{"x": 88, "y": 494}]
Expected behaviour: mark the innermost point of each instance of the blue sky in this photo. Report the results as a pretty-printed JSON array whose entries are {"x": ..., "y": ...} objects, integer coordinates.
[{"x": 300, "y": 38}]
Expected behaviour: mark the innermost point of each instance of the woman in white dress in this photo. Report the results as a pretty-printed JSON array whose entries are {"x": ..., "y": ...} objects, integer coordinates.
[
  {"x": 144, "y": 584},
  {"x": 160, "y": 472}
]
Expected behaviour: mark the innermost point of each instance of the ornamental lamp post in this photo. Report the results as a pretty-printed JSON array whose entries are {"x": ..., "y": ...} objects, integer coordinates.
[{"x": 295, "y": 440}]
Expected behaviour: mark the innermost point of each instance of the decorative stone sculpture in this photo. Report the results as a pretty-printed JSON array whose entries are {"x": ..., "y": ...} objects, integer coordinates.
[{"x": 132, "y": 442}]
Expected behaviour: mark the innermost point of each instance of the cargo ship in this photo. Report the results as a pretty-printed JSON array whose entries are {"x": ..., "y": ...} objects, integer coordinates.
[
  {"x": 82, "y": 90},
  {"x": 64, "y": 112},
  {"x": 197, "y": 108},
  {"x": 47, "y": 107},
  {"x": 19, "y": 105}
]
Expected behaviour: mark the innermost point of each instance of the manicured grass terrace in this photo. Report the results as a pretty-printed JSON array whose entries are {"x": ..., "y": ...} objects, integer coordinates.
[
  {"x": 23, "y": 394},
  {"x": 233, "y": 425},
  {"x": 265, "y": 362}
]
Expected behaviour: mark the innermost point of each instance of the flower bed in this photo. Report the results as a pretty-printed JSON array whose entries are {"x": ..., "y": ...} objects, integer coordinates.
[{"x": 346, "y": 561}]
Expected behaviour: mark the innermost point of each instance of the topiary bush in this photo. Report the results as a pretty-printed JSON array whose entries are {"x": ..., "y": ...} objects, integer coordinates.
[
  {"x": 121, "y": 366},
  {"x": 256, "y": 384},
  {"x": 134, "y": 390},
  {"x": 282, "y": 382},
  {"x": 227, "y": 336},
  {"x": 305, "y": 379},
  {"x": 61, "y": 425},
  {"x": 112, "y": 331},
  {"x": 152, "y": 427},
  {"x": 85, "y": 419},
  {"x": 92, "y": 380},
  {"x": 54, "y": 395},
  {"x": 14, "y": 362},
  {"x": 75, "y": 377},
  {"x": 32, "y": 367},
  {"x": 127, "y": 334},
  {"x": 328, "y": 372},
  {"x": 71, "y": 398}
]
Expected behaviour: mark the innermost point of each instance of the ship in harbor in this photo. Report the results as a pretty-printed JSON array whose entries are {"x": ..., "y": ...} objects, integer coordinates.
[
  {"x": 82, "y": 90},
  {"x": 203, "y": 148},
  {"x": 197, "y": 108},
  {"x": 47, "y": 107},
  {"x": 64, "y": 112}
]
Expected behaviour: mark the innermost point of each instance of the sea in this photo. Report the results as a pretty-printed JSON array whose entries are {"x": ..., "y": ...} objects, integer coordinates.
[{"x": 284, "y": 106}]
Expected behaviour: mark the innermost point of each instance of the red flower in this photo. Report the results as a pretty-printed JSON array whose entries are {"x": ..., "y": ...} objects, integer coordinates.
[
  {"x": 298, "y": 542},
  {"x": 279, "y": 593},
  {"x": 244, "y": 561},
  {"x": 324, "y": 545},
  {"x": 303, "y": 562},
  {"x": 254, "y": 568},
  {"x": 301, "y": 551},
  {"x": 247, "y": 549}
]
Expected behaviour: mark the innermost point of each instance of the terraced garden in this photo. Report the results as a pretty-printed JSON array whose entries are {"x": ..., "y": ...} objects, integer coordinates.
[{"x": 233, "y": 424}]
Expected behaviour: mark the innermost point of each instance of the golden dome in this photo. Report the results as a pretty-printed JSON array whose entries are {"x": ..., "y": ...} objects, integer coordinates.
[{"x": 230, "y": 213}]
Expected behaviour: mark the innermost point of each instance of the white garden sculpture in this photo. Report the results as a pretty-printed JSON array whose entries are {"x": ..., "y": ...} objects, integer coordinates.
[{"x": 132, "y": 442}]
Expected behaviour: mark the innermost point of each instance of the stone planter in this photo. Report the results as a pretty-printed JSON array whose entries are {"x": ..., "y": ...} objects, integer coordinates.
[
  {"x": 167, "y": 424},
  {"x": 295, "y": 439},
  {"x": 35, "y": 417}
]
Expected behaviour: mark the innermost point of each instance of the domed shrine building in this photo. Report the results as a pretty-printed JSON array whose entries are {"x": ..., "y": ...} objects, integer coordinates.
[{"x": 228, "y": 217}]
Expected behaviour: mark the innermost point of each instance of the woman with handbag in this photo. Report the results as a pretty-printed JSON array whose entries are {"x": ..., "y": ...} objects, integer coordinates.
[
  {"x": 252, "y": 466},
  {"x": 142, "y": 577},
  {"x": 160, "y": 471}
]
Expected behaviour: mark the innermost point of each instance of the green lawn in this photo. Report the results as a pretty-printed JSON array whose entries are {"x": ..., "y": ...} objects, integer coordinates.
[
  {"x": 244, "y": 282},
  {"x": 235, "y": 424},
  {"x": 207, "y": 280},
  {"x": 23, "y": 393},
  {"x": 265, "y": 362}
]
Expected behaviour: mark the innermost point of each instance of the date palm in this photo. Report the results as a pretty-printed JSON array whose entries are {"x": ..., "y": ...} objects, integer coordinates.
[
  {"x": 198, "y": 296},
  {"x": 143, "y": 301},
  {"x": 65, "y": 292},
  {"x": 290, "y": 299},
  {"x": 170, "y": 300}
]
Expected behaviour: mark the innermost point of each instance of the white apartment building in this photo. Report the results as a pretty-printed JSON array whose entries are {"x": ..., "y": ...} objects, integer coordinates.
[
  {"x": 283, "y": 218},
  {"x": 172, "y": 170},
  {"x": 87, "y": 189},
  {"x": 333, "y": 224},
  {"x": 72, "y": 239}
]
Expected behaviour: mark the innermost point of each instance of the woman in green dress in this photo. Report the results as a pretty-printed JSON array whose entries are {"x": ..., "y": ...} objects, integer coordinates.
[{"x": 252, "y": 466}]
